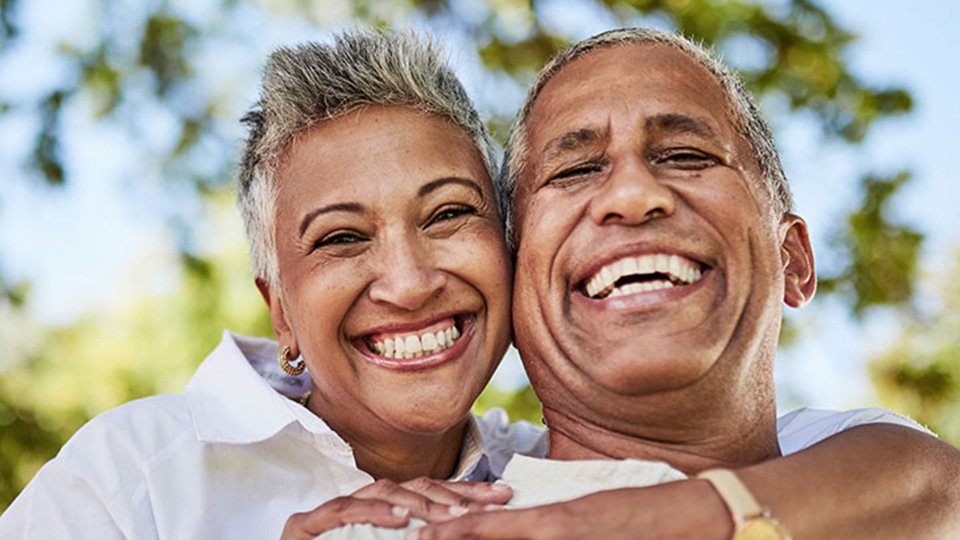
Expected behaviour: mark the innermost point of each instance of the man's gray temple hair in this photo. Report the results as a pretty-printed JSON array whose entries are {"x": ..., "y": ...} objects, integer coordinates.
[
  {"x": 747, "y": 118},
  {"x": 313, "y": 82}
]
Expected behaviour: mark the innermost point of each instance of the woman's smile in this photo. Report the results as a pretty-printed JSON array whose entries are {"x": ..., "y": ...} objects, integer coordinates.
[{"x": 419, "y": 346}]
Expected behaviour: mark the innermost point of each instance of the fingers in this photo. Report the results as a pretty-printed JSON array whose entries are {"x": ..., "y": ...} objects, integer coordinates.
[
  {"x": 477, "y": 491},
  {"x": 471, "y": 495},
  {"x": 490, "y": 525},
  {"x": 419, "y": 504},
  {"x": 343, "y": 511},
  {"x": 434, "y": 500}
]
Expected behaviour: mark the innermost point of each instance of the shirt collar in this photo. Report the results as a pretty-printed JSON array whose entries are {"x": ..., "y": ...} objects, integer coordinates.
[
  {"x": 474, "y": 463},
  {"x": 240, "y": 395}
]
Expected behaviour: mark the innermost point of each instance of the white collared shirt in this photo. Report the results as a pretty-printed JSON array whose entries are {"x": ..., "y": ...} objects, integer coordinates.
[
  {"x": 231, "y": 457},
  {"x": 234, "y": 457}
]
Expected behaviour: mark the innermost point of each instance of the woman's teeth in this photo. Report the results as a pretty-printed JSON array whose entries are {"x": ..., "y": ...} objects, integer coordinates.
[{"x": 415, "y": 345}]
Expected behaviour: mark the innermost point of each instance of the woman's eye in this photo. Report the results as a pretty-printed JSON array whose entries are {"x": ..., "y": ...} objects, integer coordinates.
[
  {"x": 448, "y": 213},
  {"x": 338, "y": 239}
]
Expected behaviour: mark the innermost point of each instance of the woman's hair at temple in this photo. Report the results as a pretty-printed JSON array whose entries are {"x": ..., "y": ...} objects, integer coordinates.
[
  {"x": 747, "y": 118},
  {"x": 313, "y": 82}
]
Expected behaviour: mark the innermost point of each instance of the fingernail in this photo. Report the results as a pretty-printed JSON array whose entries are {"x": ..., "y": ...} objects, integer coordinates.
[
  {"x": 400, "y": 511},
  {"x": 458, "y": 510},
  {"x": 413, "y": 535},
  {"x": 501, "y": 487},
  {"x": 493, "y": 507}
]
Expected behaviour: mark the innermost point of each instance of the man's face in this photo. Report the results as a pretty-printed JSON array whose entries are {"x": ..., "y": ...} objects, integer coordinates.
[{"x": 647, "y": 251}]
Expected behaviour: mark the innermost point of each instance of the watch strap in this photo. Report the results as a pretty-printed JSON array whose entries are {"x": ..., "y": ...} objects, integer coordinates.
[{"x": 740, "y": 502}]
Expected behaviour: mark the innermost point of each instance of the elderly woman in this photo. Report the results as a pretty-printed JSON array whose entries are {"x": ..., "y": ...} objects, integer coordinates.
[{"x": 378, "y": 247}]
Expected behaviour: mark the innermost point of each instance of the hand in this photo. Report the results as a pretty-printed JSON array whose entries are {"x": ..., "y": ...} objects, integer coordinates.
[
  {"x": 688, "y": 509},
  {"x": 387, "y": 504}
]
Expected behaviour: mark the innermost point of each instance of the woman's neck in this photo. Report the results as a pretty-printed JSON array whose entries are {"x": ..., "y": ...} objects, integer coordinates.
[
  {"x": 411, "y": 457},
  {"x": 390, "y": 452}
]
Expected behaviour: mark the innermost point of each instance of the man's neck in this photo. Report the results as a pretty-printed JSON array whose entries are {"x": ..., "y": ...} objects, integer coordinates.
[{"x": 729, "y": 435}]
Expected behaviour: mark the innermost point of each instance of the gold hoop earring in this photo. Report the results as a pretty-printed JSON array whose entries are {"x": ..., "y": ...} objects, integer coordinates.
[{"x": 290, "y": 368}]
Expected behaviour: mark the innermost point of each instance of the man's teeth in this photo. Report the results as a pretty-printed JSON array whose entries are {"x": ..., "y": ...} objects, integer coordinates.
[
  {"x": 675, "y": 270},
  {"x": 416, "y": 345}
]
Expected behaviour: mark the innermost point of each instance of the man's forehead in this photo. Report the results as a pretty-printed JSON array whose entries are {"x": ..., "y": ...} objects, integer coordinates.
[{"x": 655, "y": 82}]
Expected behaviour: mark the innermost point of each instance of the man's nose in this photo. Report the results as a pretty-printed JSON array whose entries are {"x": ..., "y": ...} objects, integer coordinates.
[
  {"x": 631, "y": 195},
  {"x": 407, "y": 276}
]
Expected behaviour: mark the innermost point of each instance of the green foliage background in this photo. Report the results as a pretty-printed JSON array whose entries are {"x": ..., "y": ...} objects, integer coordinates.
[{"x": 53, "y": 379}]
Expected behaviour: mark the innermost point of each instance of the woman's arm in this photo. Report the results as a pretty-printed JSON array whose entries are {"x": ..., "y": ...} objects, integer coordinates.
[{"x": 873, "y": 481}]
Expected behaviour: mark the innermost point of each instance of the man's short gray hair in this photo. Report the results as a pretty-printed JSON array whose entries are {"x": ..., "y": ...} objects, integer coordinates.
[
  {"x": 747, "y": 118},
  {"x": 313, "y": 82}
]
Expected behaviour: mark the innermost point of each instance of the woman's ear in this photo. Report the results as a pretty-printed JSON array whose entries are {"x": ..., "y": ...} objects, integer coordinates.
[
  {"x": 278, "y": 317},
  {"x": 796, "y": 255}
]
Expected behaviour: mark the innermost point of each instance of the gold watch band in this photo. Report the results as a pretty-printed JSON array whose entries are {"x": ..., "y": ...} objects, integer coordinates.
[{"x": 750, "y": 520}]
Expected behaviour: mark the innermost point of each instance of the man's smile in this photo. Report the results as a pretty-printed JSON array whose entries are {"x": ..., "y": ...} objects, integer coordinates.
[{"x": 641, "y": 273}]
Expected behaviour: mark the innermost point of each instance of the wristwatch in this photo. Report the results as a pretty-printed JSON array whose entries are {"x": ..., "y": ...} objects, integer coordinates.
[{"x": 750, "y": 520}]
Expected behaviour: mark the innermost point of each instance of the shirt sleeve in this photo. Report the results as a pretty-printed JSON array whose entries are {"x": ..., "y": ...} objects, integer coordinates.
[{"x": 803, "y": 428}]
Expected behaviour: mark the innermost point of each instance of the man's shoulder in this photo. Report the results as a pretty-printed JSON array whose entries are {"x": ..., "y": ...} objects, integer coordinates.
[{"x": 805, "y": 427}]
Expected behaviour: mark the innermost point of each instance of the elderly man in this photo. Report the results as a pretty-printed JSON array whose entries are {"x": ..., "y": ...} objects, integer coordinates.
[{"x": 655, "y": 246}]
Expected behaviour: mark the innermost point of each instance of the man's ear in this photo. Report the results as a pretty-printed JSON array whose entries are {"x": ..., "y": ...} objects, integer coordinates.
[
  {"x": 278, "y": 317},
  {"x": 796, "y": 255}
]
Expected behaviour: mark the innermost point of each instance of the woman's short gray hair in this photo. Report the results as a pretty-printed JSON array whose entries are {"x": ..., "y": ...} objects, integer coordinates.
[
  {"x": 314, "y": 82},
  {"x": 748, "y": 119}
]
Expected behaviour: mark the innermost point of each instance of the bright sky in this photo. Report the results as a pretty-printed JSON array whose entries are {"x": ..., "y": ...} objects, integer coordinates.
[{"x": 75, "y": 244}]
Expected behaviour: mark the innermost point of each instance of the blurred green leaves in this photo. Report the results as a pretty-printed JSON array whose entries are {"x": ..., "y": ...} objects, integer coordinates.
[
  {"x": 7, "y": 27},
  {"x": 882, "y": 256},
  {"x": 163, "y": 49},
  {"x": 919, "y": 372}
]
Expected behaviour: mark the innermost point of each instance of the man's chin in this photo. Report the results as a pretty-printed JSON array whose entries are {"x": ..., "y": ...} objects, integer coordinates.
[{"x": 633, "y": 375}]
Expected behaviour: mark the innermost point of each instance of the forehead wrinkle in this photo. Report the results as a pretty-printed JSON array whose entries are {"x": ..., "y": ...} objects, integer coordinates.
[{"x": 680, "y": 123}]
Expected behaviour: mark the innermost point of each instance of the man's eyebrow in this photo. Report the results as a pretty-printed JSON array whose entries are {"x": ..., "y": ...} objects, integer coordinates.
[
  {"x": 573, "y": 140},
  {"x": 434, "y": 185},
  {"x": 680, "y": 123},
  {"x": 338, "y": 207}
]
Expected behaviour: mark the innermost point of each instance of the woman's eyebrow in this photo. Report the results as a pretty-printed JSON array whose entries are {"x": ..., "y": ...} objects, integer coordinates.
[
  {"x": 434, "y": 185},
  {"x": 337, "y": 207}
]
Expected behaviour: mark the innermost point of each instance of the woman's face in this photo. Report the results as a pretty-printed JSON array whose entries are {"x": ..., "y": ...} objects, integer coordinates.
[{"x": 395, "y": 282}]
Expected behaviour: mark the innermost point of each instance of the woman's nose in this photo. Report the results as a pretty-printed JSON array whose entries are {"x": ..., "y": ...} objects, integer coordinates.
[{"x": 407, "y": 276}]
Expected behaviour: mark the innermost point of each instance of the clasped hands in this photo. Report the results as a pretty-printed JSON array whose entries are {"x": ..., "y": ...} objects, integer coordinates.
[{"x": 459, "y": 510}]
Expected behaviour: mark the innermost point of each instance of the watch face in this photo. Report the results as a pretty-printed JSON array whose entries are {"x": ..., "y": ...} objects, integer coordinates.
[{"x": 760, "y": 529}]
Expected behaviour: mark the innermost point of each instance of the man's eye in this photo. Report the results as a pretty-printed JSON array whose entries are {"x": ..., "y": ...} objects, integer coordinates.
[
  {"x": 568, "y": 177},
  {"x": 686, "y": 159}
]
